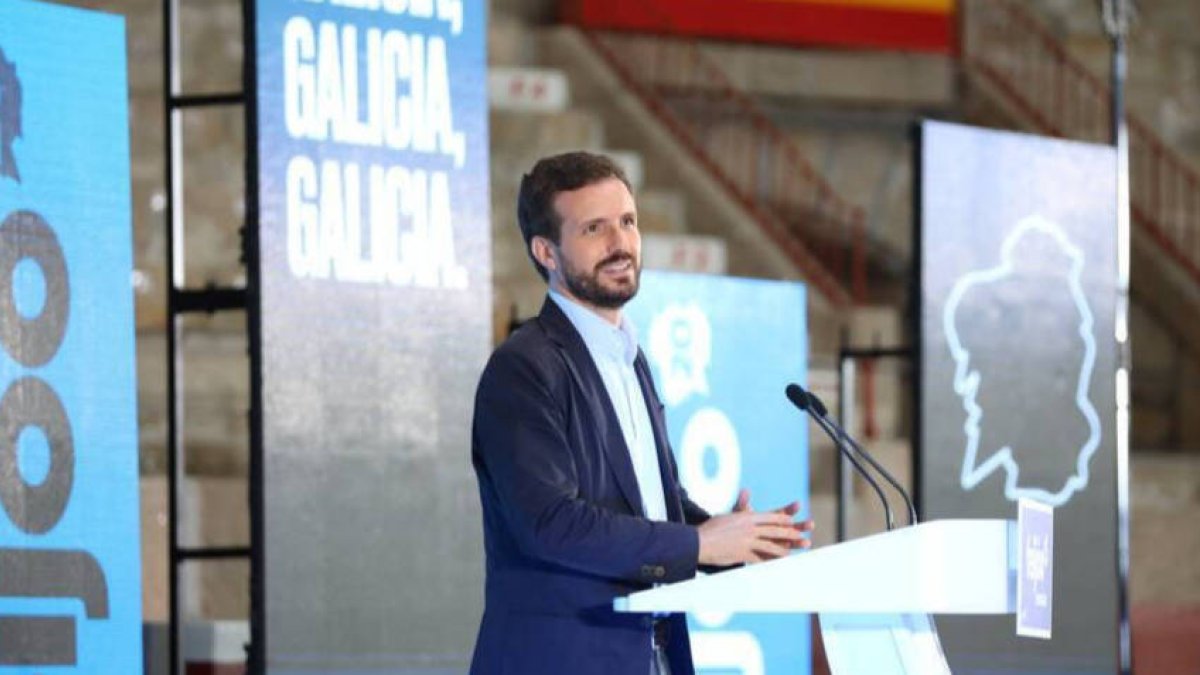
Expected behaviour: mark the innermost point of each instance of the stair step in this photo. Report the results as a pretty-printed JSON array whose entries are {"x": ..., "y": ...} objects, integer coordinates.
[
  {"x": 524, "y": 89},
  {"x": 662, "y": 211},
  {"x": 697, "y": 254},
  {"x": 510, "y": 41},
  {"x": 631, "y": 162},
  {"x": 518, "y": 139}
]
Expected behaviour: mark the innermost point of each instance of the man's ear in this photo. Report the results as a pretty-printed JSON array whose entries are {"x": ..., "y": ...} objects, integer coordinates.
[{"x": 543, "y": 252}]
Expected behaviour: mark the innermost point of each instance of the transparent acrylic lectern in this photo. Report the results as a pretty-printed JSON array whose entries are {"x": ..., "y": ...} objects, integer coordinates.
[{"x": 874, "y": 595}]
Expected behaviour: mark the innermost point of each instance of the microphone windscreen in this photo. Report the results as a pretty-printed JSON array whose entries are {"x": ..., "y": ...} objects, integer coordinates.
[
  {"x": 797, "y": 396},
  {"x": 817, "y": 406}
]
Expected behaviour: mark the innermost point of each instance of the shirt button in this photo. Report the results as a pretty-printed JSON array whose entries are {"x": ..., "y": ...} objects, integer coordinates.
[{"x": 660, "y": 572}]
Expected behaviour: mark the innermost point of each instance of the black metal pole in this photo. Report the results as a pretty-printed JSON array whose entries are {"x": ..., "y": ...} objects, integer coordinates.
[
  {"x": 257, "y": 657},
  {"x": 844, "y": 487},
  {"x": 170, "y": 89},
  {"x": 1116, "y": 15},
  {"x": 848, "y": 358},
  {"x": 915, "y": 303}
]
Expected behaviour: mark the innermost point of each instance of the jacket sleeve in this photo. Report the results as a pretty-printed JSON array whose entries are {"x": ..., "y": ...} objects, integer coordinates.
[
  {"x": 694, "y": 514},
  {"x": 522, "y": 449}
]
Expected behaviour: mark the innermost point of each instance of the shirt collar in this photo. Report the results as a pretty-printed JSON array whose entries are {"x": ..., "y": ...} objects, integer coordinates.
[{"x": 601, "y": 337}]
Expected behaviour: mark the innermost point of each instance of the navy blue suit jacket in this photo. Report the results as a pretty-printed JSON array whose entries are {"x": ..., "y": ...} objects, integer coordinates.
[{"x": 562, "y": 516}]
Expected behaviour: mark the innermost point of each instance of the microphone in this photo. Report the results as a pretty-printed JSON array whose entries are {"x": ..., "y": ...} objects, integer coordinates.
[
  {"x": 819, "y": 408},
  {"x": 812, "y": 405}
]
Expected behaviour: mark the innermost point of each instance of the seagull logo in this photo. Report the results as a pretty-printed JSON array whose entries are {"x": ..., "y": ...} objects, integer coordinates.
[{"x": 1029, "y": 307}]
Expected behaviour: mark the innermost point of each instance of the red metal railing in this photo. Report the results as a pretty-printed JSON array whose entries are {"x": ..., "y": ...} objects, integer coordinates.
[
  {"x": 1026, "y": 65},
  {"x": 756, "y": 162}
]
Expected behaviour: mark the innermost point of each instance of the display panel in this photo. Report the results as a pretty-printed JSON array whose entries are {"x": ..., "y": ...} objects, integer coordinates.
[
  {"x": 1018, "y": 294},
  {"x": 722, "y": 351},
  {"x": 375, "y": 314},
  {"x": 70, "y": 553}
]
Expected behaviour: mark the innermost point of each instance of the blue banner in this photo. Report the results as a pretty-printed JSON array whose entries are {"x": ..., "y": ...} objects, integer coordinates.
[
  {"x": 70, "y": 581},
  {"x": 373, "y": 142},
  {"x": 722, "y": 351},
  {"x": 376, "y": 322}
]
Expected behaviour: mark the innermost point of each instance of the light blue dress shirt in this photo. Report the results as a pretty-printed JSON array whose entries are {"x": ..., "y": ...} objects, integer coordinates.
[{"x": 614, "y": 349}]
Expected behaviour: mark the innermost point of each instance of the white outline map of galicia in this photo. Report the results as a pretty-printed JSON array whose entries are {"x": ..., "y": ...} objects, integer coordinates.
[{"x": 966, "y": 380}]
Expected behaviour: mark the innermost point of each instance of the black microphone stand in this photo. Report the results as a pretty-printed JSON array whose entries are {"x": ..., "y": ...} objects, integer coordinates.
[
  {"x": 908, "y": 503},
  {"x": 805, "y": 402}
]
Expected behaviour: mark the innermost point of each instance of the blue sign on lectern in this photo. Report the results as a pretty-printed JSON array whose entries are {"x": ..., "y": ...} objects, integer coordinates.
[
  {"x": 722, "y": 351},
  {"x": 70, "y": 581},
  {"x": 1035, "y": 569}
]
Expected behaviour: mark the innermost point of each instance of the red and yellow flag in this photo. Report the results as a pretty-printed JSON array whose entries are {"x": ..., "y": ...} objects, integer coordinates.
[{"x": 906, "y": 25}]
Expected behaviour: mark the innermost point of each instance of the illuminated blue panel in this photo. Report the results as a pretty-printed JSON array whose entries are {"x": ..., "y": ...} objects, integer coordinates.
[
  {"x": 376, "y": 322},
  {"x": 70, "y": 581},
  {"x": 722, "y": 351}
]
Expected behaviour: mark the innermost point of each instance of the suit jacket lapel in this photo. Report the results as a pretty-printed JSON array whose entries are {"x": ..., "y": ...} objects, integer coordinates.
[
  {"x": 662, "y": 443},
  {"x": 558, "y": 327}
]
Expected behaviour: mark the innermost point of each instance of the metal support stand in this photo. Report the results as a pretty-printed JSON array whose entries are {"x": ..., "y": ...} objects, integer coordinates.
[
  {"x": 1117, "y": 16},
  {"x": 847, "y": 374},
  {"x": 182, "y": 301}
]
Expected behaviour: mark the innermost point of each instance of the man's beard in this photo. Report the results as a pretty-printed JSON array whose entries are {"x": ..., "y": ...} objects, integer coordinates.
[{"x": 587, "y": 287}]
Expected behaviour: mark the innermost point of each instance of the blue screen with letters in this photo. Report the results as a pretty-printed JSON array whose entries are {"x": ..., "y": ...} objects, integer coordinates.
[
  {"x": 70, "y": 581},
  {"x": 376, "y": 283}
]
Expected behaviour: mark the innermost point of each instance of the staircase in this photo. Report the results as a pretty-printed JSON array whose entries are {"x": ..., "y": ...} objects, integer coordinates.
[
  {"x": 758, "y": 164},
  {"x": 1018, "y": 72},
  {"x": 1025, "y": 68}
]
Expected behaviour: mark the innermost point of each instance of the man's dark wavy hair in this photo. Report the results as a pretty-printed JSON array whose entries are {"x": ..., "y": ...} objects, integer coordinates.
[{"x": 560, "y": 173}]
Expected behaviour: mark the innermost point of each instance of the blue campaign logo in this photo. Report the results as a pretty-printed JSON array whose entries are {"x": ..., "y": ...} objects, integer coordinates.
[
  {"x": 37, "y": 449},
  {"x": 70, "y": 582},
  {"x": 722, "y": 351}
]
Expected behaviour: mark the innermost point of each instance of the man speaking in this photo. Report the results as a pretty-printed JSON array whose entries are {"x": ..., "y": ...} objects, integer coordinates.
[{"x": 580, "y": 493}]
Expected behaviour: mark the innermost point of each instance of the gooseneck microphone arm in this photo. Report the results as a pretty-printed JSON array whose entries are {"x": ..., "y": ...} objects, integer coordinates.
[
  {"x": 802, "y": 400},
  {"x": 908, "y": 503},
  {"x": 819, "y": 408}
]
